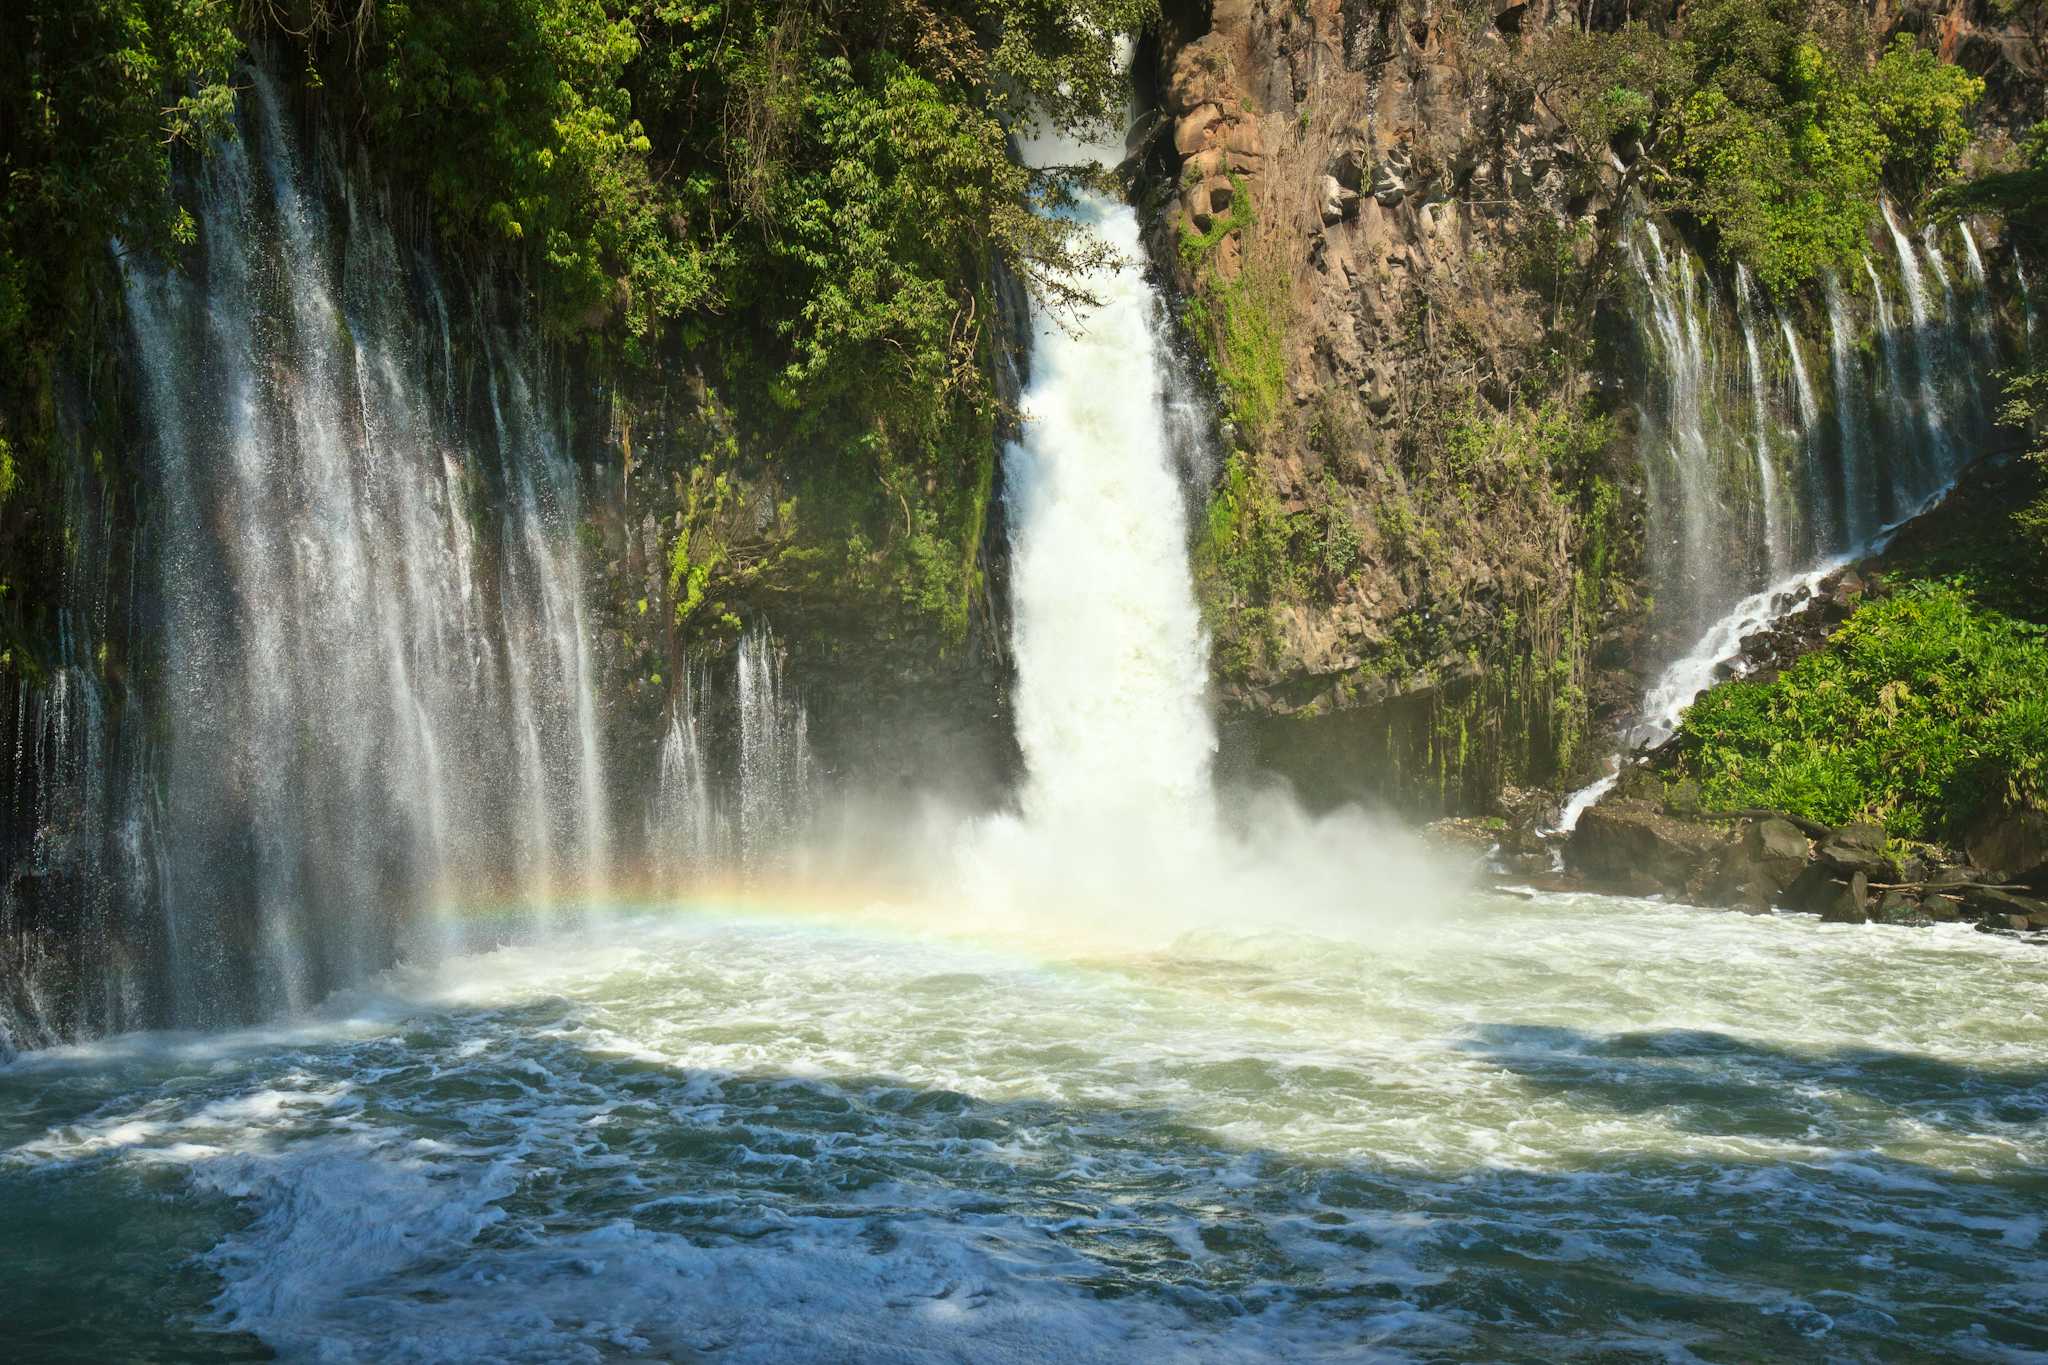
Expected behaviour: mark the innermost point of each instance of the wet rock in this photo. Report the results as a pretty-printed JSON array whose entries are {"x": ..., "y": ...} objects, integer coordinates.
[
  {"x": 1858, "y": 848},
  {"x": 1348, "y": 168},
  {"x": 1940, "y": 909},
  {"x": 1981, "y": 902},
  {"x": 1812, "y": 891},
  {"x": 1389, "y": 189},
  {"x": 1755, "y": 872},
  {"x": 1896, "y": 907},
  {"x": 1850, "y": 904},
  {"x": 1338, "y": 203},
  {"x": 2012, "y": 843},
  {"x": 1634, "y": 847}
]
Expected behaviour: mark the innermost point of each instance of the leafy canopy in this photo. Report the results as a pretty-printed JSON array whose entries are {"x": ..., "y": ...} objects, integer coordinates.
[{"x": 1768, "y": 122}]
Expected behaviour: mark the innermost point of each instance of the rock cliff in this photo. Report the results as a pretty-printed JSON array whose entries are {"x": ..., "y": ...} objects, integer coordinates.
[{"x": 1425, "y": 530}]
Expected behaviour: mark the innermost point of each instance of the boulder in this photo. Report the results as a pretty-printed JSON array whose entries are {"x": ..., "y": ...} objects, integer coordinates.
[
  {"x": 1389, "y": 189},
  {"x": 1633, "y": 847},
  {"x": 1896, "y": 907},
  {"x": 1858, "y": 848},
  {"x": 1201, "y": 74},
  {"x": 1940, "y": 909},
  {"x": 1850, "y": 904},
  {"x": 1980, "y": 902},
  {"x": 1338, "y": 203},
  {"x": 1812, "y": 891},
  {"x": 1192, "y": 133},
  {"x": 1349, "y": 168},
  {"x": 2012, "y": 843}
]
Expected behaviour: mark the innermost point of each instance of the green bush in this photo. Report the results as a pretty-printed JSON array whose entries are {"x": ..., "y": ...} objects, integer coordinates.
[
  {"x": 1925, "y": 708},
  {"x": 1767, "y": 121}
]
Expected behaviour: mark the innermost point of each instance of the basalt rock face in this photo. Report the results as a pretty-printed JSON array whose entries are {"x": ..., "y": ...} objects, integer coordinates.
[{"x": 1348, "y": 205}]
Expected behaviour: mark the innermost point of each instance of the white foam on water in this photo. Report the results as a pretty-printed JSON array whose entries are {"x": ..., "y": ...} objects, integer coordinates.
[{"x": 775, "y": 1139}]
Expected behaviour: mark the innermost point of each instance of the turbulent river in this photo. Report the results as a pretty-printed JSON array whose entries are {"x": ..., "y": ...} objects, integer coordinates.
[{"x": 1481, "y": 1129}]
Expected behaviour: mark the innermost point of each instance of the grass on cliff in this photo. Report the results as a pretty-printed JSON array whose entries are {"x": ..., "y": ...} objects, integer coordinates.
[{"x": 1924, "y": 710}]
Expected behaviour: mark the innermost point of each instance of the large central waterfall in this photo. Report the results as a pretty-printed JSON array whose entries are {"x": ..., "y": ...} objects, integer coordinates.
[{"x": 1112, "y": 705}]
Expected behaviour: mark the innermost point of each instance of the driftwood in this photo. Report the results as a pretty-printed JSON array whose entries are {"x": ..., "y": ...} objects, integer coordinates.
[
  {"x": 1812, "y": 829},
  {"x": 1950, "y": 888}
]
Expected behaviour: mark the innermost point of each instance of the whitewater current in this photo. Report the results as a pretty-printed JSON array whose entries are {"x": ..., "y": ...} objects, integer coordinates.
[{"x": 1486, "y": 1129}]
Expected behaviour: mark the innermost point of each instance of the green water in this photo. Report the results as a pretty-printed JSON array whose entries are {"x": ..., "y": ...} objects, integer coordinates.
[{"x": 1568, "y": 1128}]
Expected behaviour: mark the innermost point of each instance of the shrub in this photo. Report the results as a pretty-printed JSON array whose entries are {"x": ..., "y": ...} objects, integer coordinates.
[{"x": 1925, "y": 708}]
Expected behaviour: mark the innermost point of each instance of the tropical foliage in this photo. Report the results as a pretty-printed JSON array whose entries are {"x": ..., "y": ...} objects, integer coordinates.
[
  {"x": 1771, "y": 123},
  {"x": 1925, "y": 709}
]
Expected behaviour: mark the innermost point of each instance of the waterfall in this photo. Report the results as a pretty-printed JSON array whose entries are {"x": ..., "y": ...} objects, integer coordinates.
[
  {"x": 2019, "y": 275},
  {"x": 776, "y": 767},
  {"x": 1852, "y": 421},
  {"x": 685, "y": 835},
  {"x": 1112, "y": 668},
  {"x": 1933, "y": 412},
  {"x": 1684, "y": 474},
  {"x": 1823, "y": 514},
  {"x": 1980, "y": 298},
  {"x": 1775, "y": 549},
  {"x": 1892, "y": 471},
  {"x": 1883, "y": 472},
  {"x": 376, "y": 683}
]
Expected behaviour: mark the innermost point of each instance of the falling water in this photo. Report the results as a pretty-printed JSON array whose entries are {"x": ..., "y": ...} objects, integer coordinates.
[
  {"x": 1823, "y": 513},
  {"x": 1881, "y": 472},
  {"x": 377, "y": 691},
  {"x": 1933, "y": 412},
  {"x": 1906, "y": 417},
  {"x": 1852, "y": 418},
  {"x": 1775, "y": 549},
  {"x": 1112, "y": 684},
  {"x": 1686, "y": 481},
  {"x": 685, "y": 834},
  {"x": 777, "y": 771}
]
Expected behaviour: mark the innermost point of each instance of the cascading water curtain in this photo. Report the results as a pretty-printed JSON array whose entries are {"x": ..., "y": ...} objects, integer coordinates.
[{"x": 376, "y": 687}]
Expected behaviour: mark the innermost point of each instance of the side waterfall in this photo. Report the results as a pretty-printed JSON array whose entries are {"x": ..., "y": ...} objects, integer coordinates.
[
  {"x": 360, "y": 663},
  {"x": 1729, "y": 549}
]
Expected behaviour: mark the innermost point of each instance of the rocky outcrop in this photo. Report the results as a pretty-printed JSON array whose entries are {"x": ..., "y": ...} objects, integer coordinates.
[
  {"x": 1348, "y": 200},
  {"x": 1767, "y": 861},
  {"x": 1635, "y": 848},
  {"x": 2013, "y": 843}
]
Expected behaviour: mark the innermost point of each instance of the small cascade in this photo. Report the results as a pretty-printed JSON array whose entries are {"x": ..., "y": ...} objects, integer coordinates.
[
  {"x": 777, "y": 772},
  {"x": 1852, "y": 421},
  {"x": 1776, "y": 550},
  {"x": 737, "y": 784},
  {"x": 1687, "y": 484},
  {"x": 686, "y": 835},
  {"x": 2019, "y": 275},
  {"x": 1980, "y": 293},
  {"x": 1938, "y": 454},
  {"x": 1823, "y": 502}
]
